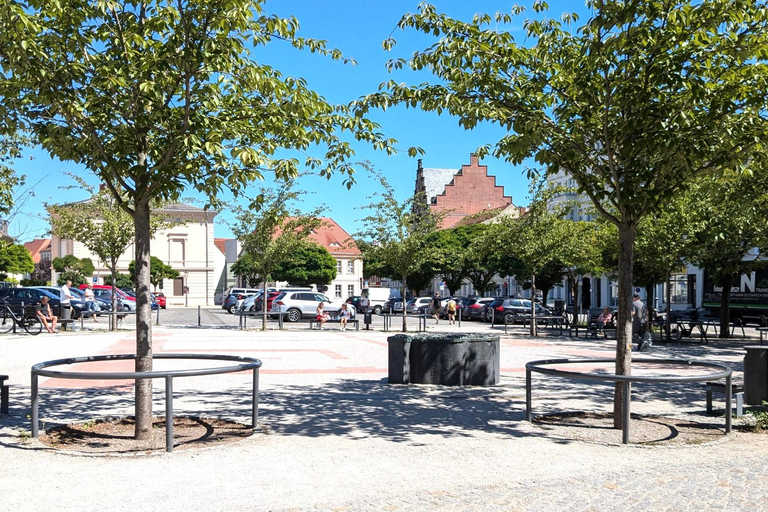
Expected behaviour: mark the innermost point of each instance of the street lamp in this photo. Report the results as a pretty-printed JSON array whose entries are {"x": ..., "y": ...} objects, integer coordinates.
[{"x": 186, "y": 288}]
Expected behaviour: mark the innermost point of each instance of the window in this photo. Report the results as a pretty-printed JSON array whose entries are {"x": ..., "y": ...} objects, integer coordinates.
[
  {"x": 679, "y": 289},
  {"x": 338, "y": 291},
  {"x": 338, "y": 266},
  {"x": 350, "y": 290},
  {"x": 351, "y": 267}
]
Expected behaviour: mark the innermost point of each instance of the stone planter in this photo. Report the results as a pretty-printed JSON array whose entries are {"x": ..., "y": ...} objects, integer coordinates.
[{"x": 444, "y": 358}]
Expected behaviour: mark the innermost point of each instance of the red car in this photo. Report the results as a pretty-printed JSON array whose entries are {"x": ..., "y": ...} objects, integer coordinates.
[{"x": 160, "y": 299}]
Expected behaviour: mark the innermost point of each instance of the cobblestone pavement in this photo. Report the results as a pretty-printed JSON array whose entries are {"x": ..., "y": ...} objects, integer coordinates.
[{"x": 334, "y": 436}]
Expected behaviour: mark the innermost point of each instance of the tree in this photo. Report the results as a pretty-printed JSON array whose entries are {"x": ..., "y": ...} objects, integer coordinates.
[
  {"x": 309, "y": 264},
  {"x": 731, "y": 214},
  {"x": 397, "y": 235},
  {"x": 121, "y": 280},
  {"x": 100, "y": 224},
  {"x": 271, "y": 230},
  {"x": 15, "y": 259},
  {"x": 42, "y": 272},
  {"x": 10, "y": 149},
  {"x": 157, "y": 271},
  {"x": 244, "y": 268},
  {"x": 156, "y": 97},
  {"x": 633, "y": 105},
  {"x": 72, "y": 268}
]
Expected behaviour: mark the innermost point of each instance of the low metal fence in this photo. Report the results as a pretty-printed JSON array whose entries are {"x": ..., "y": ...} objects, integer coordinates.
[{"x": 244, "y": 363}]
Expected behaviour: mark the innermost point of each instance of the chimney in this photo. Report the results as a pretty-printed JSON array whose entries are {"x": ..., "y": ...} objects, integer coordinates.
[
  {"x": 419, "y": 165},
  {"x": 473, "y": 161}
]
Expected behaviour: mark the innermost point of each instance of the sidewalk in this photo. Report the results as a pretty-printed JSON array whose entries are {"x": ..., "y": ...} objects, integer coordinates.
[{"x": 335, "y": 436}]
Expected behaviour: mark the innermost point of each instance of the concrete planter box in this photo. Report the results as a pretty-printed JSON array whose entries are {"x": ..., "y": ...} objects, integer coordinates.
[{"x": 444, "y": 358}]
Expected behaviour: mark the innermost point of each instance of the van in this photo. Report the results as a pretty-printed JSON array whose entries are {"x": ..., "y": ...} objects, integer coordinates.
[
  {"x": 241, "y": 291},
  {"x": 377, "y": 297}
]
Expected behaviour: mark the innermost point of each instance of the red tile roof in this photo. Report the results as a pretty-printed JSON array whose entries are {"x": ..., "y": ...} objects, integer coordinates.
[
  {"x": 35, "y": 247},
  {"x": 333, "y": 237},
  {"x": 220, "y": 244}
]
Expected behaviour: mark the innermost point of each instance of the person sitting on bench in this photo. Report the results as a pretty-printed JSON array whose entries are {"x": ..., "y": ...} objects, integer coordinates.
[
  {"x": 44, "y": 313},
  {"x": 604, "y": 319},
  {"x": 344, "y": 315},
  {"x": 321, "y": 315}
]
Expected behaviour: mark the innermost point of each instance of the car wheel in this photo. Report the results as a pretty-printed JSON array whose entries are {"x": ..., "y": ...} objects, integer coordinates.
[
  {"x": 294, "y": 315},
  {"x": 232, "y": 309},
  {"x": 377, "y": 310},
  {"x": 509, "y": 318}
]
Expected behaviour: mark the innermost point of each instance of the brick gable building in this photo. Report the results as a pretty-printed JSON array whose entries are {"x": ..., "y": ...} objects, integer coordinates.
[{"x": 460, "y": 194}]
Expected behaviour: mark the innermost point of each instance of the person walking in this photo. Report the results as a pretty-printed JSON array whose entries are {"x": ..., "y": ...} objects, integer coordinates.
[
  {"x": 436, "y": 307},
  {"x": 90, "y": 302},
  {"x": 450, "y": 309},
  {"x": 65, "y": 300},
  {"x": 640, "y": 324}
]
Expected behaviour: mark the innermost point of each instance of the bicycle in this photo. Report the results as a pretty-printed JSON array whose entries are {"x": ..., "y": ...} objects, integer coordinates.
[{"x": 27, "y": 321}]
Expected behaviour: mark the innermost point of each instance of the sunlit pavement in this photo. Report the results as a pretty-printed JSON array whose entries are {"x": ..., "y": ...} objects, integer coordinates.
[{"x": 335, "y": 436}]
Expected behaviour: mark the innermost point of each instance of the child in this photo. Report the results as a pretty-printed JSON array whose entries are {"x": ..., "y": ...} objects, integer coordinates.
[
  {"x": 344, "y": 315},
  {"x": 321, "y": 315}
]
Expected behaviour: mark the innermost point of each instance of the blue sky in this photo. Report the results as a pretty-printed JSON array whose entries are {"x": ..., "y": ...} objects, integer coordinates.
[{"x": 358, "y": 29}]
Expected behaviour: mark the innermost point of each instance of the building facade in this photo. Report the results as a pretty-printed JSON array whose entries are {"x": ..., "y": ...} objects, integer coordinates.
[{"x": 187, "y": 247}]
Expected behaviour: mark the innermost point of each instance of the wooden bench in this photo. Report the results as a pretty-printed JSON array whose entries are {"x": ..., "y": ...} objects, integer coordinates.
[
  {"x": 3, "y": 394},
  {"x": 313, "y": 321},
  {"x": 718, "y": 387}
]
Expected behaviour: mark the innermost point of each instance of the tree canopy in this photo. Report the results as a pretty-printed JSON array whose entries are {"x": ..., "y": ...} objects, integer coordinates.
[
  {"x": 632, "y": 105},
  {"x": 72, "y": 268},
  {"x": 156, "y": 97},
  {"x": 309, "y": 264},
  {"x": 15, "y": 259}
]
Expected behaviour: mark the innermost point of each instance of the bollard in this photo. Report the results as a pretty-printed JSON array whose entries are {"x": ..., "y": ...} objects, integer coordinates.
[
  {"x": 157, "y": 320},
  {"x": 198, "y": 316}
]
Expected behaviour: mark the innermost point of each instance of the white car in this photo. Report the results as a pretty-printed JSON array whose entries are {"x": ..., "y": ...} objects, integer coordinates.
[{"x": 298, "y": 305}]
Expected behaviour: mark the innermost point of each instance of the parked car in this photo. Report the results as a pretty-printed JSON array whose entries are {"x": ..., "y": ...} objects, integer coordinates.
[
  {"x": 460, "y": 306},
  {"x": 160, "y": 299},
  {"x": 102, "y": 291},
  {"x": 258, "y": 303},
  {"x": 474, "y": 307},
  {"x": 300, "y": 305},
  {"x": 29, "y": 297},
  {"x": 233, "y": 301},
  {"x": 418, "y": 306},
  {"x": 395, "y": 304},
  {"x": 505, "y": 309},
  {"x": 354, "y": 301}
]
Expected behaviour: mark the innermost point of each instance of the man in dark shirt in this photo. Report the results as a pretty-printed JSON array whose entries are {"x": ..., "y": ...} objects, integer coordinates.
[
  {"x": 640, "y": 323},
  {"x": 436, "y": 307}
]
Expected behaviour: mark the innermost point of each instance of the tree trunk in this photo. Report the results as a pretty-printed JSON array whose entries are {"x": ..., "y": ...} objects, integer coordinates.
[
  {"x": 402, "y": 293},
  {"x": 113, "y": 269},
  {"x": 143, "y": 405},
  {"x": 668, "y": 300},
  {"x": 575, "y": 297},
  {"x": 627, "y": 233},
  {"x": 725, "y": 308},
  {"x": 264, "y": 297},
  {"x": 533, "y": 304}
]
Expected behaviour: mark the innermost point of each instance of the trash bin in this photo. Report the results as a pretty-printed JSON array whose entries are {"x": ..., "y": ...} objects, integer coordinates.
[
  {"x": 367, "y": 318},
  {"x": 756, "y": 374}
]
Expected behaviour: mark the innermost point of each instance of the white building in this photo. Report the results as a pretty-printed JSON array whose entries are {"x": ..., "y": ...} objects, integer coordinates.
[{"x": 187, "y": 247}]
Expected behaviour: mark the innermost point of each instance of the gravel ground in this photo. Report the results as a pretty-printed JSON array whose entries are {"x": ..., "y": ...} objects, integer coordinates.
[{"x": 335, "y": 436}]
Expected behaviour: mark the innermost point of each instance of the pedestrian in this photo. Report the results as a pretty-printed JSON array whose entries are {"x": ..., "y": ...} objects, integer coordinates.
[
  {"x": 44, "y": 313},
  {"x": 365, "y": 302},
  {"x": 320, "y": 315},
  {"x": 65, "y": 301},
  {"x": 344, "y": 315},
  {"x": 450, "y": 308},
  {"x": 436, "y": 307},
  {"x": 640, "y": 324},
  {"x": 90, "y": 302}
]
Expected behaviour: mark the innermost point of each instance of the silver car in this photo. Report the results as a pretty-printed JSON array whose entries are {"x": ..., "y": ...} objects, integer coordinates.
[{"x": 298, "y": 305}]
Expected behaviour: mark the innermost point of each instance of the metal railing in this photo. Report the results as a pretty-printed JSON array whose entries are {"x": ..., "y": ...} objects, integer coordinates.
[
  {"x": 723, "y": 372},
  {"x": 245, "y": 363}
]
